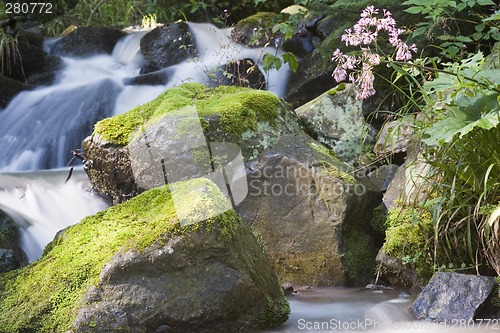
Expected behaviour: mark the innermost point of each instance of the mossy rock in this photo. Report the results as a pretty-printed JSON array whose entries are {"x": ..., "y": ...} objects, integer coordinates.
[
  {"x": 312, "y": 214},
  {"x": 134, "y": 267},
  {"x": 251, "y": 119}
]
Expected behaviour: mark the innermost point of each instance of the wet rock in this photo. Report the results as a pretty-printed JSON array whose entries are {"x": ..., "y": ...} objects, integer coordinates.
[
  {"x": 166, "y": 45},
  {"x": 335, "y": 119},
  {"x": 241, "y": 73},
  {"x": 88, "y": 41},
  {"x": 9, "y": 89},
  {"x": 201, "y": 281},
  {"x": 174, "y": 258},
  {"x": 452, "y": 296},
  {"x": 312, "y": 215},
  {"x": 248, "y": 120},
  {"x": 382, "y": 176},
  {"x": 160, "y": 77}
]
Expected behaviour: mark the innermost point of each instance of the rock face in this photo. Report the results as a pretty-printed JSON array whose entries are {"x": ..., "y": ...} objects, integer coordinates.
[
  {"x": 166, "y": 45},
  {"x": 335, "y": 119},
  {"x": 251, "y": 120},
  {"x": 452, "y": 296},
  {"x": 174, "y": 259},
  {"x": 313, "y": 216},
  {"x": 11, "y": 255},
  {"x": 88, "y": 41}
]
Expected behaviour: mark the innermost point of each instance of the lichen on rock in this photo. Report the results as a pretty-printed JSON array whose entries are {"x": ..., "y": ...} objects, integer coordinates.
[{"x": 134, "y": 266}]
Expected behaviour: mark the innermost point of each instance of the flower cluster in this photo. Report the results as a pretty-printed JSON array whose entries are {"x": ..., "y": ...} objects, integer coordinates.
[{"x": 365, "y": 33}]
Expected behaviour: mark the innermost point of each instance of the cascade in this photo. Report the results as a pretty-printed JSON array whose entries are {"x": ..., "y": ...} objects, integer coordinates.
[{"x": 39, "y": 128}]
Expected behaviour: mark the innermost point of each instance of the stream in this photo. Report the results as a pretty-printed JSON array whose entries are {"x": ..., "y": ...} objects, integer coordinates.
[{"x": 39, "y": 128}]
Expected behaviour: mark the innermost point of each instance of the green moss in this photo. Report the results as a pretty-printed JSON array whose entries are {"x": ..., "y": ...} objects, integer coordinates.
[
  {"x": 359, "y": 258},
  {"x": 258, "y": 20},
  {"x": 341, "y": 86},
  {"x": 379, "y": 219},
  {"x": 44, "y": 296},
  {"x": 408, "y": 238},
  {"x": 239, "y": 109}
]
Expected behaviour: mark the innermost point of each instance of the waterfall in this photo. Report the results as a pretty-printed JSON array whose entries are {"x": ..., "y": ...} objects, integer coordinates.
[
  {"x": 42, "y": 203},
  {"x": 39, "y": 128}
]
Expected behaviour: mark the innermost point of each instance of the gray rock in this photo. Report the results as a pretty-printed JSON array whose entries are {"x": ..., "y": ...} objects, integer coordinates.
[
  {"x": 201, "y": 281},
  {"x": 382, "y": 176},
  {"x": 393, "y": 138},
  {"x": 452, "y": 296},
  {"x": 395, "y": 272},
  {"x": 335, "y": 119},
  {"x": 166, "y": 45},
  {"x": 313, "y": 217}
]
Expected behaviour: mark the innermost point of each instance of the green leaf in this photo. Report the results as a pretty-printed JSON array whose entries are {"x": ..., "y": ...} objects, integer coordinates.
[
  {"x": 291, "y": 59},
  {"x": 270, "y": 62},
  {"x": 485, "y": 3},
  {"x": 495, "y": 214},
  {"x": 414, "y": 10}
]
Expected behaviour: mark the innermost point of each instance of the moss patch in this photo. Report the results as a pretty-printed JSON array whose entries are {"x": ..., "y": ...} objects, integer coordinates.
[
  {"x": 408, "y": 238},
  {"x": 240, "y": 109},
  {"x": 329, "y": 168},
  {"x": 359, "y": 258},
  {"x": 44, "y": 296}
]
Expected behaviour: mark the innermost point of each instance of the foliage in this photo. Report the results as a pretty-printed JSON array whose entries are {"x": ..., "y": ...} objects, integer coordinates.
[
  {"x": 459, "y": 127},
  {"x": 456, "y": 24},
  {"x": 9, "y": 54}
]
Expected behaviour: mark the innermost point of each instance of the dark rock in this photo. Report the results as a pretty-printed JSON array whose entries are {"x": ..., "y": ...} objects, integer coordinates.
[
  {"x": 160, "y": 77},
  {"x": 382, "y": 176},
  {"x": 88, "y": 41},
  {"x": 313, "y": 216},
  {"x": 256, "y": 30},
  {"x": 452, "y": 296},
  {"x": 312, "y": 78},
  {"x": 9, "y": 89},
  {"x": 166, "y": 45}
]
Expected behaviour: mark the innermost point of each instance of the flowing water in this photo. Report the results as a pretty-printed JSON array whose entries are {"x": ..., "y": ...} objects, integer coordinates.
[
  {"x": 39, "y": 128},
  {"x": 364, "y": 310}
]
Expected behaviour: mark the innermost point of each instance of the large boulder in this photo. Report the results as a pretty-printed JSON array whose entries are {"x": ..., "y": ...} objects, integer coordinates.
[
  {"x": 451, "y": 296},
  {"x": 88, "y": 41},
  {"x": 174, "y": 259},
  {"x": 167, "y": 45},
  {"x": 313, "y": 216},
  {"x": 251, "y": 119},
  {"x": 335, "y": 119}
]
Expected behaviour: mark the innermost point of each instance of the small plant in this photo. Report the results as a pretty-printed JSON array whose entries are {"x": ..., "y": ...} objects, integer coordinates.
[
  {"x": 149, "y": 22},
  {"x": 10, "y": 57}
]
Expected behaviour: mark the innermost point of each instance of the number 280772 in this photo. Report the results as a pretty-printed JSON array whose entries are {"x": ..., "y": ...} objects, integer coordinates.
[{"x": 28, "y": 8}]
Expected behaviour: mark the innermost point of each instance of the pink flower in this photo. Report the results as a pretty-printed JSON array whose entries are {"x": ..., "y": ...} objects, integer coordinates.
[
  {"x": 365, "y": 33},
  {"x": 403, "y": 51}
]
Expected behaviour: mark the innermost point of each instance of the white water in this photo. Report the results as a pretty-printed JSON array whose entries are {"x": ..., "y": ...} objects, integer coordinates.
[
  {"x": 42, "y": 203},
  {"x": 39, "y": 128}
]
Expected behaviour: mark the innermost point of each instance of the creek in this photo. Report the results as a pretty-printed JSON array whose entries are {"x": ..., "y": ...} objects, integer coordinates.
[{"x": 39, "y": 128}]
